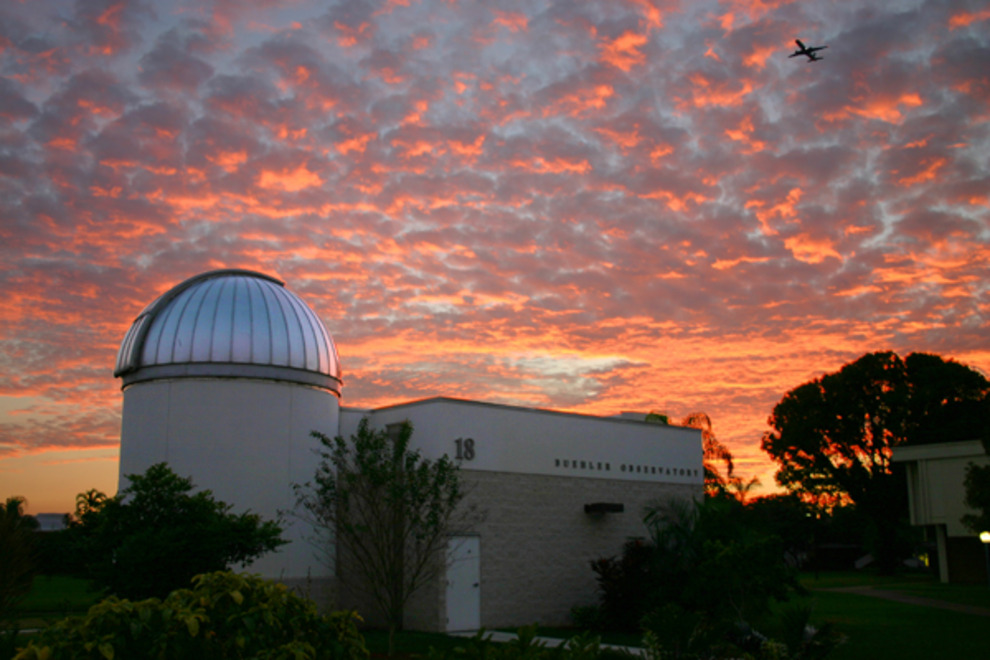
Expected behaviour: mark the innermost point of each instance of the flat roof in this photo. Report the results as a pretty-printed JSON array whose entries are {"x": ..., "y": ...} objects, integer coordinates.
[{"x": 546, "y": 411}]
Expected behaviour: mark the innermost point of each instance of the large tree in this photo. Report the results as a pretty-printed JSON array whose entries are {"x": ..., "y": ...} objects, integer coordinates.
[
  {"x": 387, "y": 511},
  {"x": 17, "y": 561},
  {"x": 834, "y": 436},
  {"x": 156, "y": 534}
]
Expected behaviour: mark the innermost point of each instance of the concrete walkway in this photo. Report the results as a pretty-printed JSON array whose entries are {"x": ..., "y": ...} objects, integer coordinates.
[
  {"x": 899, "y": 597},
  {"x": 503, "y": 637}
]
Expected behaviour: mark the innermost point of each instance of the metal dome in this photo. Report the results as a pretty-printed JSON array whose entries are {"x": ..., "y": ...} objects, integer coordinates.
[{"x": 229, "y": 323}]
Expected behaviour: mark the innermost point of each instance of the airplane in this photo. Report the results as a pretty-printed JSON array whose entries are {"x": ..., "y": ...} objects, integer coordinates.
[{"x": 805, "y": 50}]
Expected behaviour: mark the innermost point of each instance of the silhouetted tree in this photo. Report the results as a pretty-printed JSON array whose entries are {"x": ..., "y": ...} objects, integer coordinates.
[
  {"x": 17, "y": 561},
  {"x": 834, "y": 436},
  {"x": 156, "y": 534},
  {"x": 721, "y": 479}
]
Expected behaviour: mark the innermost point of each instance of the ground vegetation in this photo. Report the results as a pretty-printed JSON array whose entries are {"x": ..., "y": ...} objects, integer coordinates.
[
  {"x": 159, "y": 532},
  {"x": 222, "y": 615}
]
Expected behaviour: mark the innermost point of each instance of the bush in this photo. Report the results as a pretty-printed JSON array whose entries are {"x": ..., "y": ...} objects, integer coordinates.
[
  {"x": 588, "y": 617},
  {"x": 707, "y": 573},
  {"x": 627, "y": 585},
  {"x": 157, "y": 533},
  {"x": 224, "y": 615}
]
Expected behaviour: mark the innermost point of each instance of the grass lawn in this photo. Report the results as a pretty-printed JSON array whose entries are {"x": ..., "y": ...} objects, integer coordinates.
[
  {"x": 962, "y": 594},
  {"x": 55, "y": 597},
  {"x": 877, "y": 628},
  {"x": 874, "y": 628}
]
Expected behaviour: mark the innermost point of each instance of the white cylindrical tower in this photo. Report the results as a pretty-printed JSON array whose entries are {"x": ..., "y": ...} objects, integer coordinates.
[{"x": 225, "y": 376}]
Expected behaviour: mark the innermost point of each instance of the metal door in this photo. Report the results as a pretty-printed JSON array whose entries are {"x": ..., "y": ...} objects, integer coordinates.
[{"x": 464, "y": 583}]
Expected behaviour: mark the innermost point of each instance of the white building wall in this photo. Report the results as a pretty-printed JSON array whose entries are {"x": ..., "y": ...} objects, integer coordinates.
[
  {"x": 531, "y": 472},
  {"x": 936, "y": 474},
  {"x": 246, "y": 440},
  {"x": 534, "y": 441}
]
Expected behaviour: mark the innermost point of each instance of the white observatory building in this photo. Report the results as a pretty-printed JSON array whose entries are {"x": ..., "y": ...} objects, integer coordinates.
[
  {"x": 224, "y": 378},
  {"x": 226, "y": 375}
]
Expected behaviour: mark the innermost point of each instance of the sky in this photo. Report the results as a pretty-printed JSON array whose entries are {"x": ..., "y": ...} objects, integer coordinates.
[{"x": 586, "y": 206}]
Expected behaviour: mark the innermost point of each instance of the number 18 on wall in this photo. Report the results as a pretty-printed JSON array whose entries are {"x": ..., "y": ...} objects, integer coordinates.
[{"x": 465, "y": 449}]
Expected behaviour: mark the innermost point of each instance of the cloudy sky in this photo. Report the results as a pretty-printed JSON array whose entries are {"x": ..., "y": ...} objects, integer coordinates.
[{"x": 595, "y": 206}]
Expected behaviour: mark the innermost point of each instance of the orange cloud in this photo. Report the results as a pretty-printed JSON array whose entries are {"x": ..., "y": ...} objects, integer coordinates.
[
  {"x": 883, "y": 108},
  {"x": 390, "y": 6},
  {"x": 289, "y": 181},
  {"x": 512, "y": 21},
  {"x": 727, "y": 20},
  {"x": 415, "y": 116},
  {"x": 625, "y": 139},
  {"x": 468, "y": 150},
  {"x": 230, "y": 161},
  {"x": 755, "y": 9},
  {"x": 623, "y": 53},
  {"x": 659, "y": 151},
  {"x": 96, "y": 108},
  {"x": 357, "y": 144},
  {"x": 758, "y": 58},
  {"x": 785, "y": 210},
  {"x": 861, "y": 290},
  {"x": 811, "y": 250},
  {"x": 652, "y": 15},
  {"x": 725, "y": 264},
  {"x": 743, "y": 134},
  {"x": 927, "y": 174},
  {"x": 418, "y": 148},
  {"x": 705, "y": 93},
  {"x": 585, "y": 100},
  {"x": 965, "y": 19},
  {"x": 675, "y": 203},
  {"x": 554, "y": 166},
  {"x": 350, "y": 37}
]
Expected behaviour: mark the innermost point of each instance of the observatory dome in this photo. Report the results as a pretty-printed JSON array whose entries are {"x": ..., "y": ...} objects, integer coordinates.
[{"x": 229, "y": 324}]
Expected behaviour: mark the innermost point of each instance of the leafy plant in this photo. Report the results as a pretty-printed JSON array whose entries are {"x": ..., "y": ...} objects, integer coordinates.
[
  {"x": 223, "y": 615},
  {"x": 156, "y": 534},
  {"x": 626, "y": 585},
  {"x": 389, "y": 512},
  {"x": 802, "y": 640},
  {"x": 588, "y": 617}
]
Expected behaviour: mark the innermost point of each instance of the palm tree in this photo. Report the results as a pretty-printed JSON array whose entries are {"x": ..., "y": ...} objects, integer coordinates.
[{"x": 89, "y": 502}]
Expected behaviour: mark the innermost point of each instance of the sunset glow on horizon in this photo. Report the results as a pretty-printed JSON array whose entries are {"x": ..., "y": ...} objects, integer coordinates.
[{"x": 592, "y": 207}]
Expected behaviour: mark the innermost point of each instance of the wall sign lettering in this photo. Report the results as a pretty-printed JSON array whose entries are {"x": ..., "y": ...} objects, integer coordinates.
[{"x": 465, "y": 449}]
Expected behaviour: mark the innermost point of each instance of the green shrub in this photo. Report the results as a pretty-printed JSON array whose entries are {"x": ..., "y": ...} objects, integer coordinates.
[
  {"x": 588, "y": 617},
  {"x": 159, "y": 531},
  {"x": 224, "y": 615}
]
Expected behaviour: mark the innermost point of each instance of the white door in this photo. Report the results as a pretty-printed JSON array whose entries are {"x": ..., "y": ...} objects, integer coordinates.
[{"x": 464, "y": 583}]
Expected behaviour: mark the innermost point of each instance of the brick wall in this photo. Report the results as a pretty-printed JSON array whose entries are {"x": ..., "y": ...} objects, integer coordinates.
[{"x": 537, "y": 542}]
